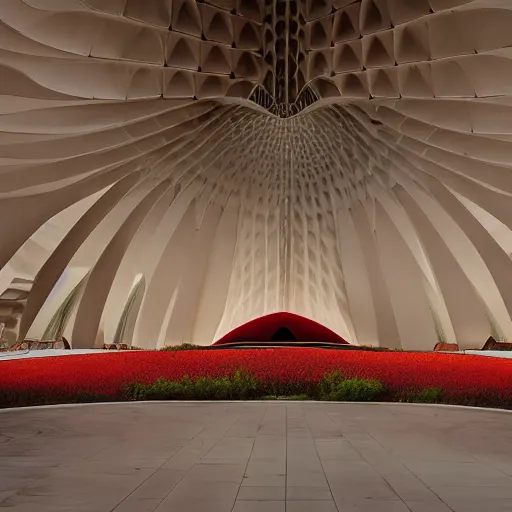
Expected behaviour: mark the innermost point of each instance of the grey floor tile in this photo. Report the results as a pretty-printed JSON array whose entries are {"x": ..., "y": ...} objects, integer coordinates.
[
  {"x": 191, "y": 496},
  {"x": 428, "y": 506},
  {"x": 311, "y": 506},
  {"x": 138, "y": 505},
  {"x": 336, "y": 449},
  {"x": 261, "y": 493},
  {"x": 486, "y": 499},
  {"x": 252, "y": 457},
  {"x": 262, "y": 480},
  {"x": 306, "y": 493},
  {"x": 159, "y": 484},
  {"x": 465, "y": 474},
  {"x": 260, "y": 506},
  {"x": 372, "y": 506},
  {"x": 7, "y": 494}
]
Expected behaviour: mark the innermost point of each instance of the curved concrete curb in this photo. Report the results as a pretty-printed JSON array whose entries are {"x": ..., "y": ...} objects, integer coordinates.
[{"x": 213, "y": 402}]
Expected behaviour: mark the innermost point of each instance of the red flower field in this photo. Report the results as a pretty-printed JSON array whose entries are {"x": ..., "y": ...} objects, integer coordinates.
[{"x": 107, "y": 374}]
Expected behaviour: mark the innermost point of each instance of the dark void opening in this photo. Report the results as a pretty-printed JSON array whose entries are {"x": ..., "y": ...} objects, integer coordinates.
[{"x": 283, "y": 334}]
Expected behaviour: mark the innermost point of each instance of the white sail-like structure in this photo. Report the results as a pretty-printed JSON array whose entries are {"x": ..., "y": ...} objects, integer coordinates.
[{"x": 184, "y": 167}]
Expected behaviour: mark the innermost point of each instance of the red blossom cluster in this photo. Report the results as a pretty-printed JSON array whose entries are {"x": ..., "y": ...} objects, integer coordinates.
[{"x": 107, "y": 374}]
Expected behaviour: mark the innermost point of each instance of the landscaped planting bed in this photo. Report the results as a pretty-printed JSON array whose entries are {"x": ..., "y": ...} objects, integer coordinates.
[{"x": 253, "y": 373}]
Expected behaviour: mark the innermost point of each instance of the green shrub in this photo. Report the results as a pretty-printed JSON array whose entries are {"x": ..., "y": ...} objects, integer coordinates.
[
  {"x": 334, "y": 387},
  {"x": 328, "y": 385},
  {"x": 420, "y": 396},
  {"x": 426, "y": 396},
  {"x": 160, "y": 390},
  {"x": 280, "y": 389},
  {"x": 244, "y": 386},
  {"x": 358, "y": 390},
  {"x": 206, "y": 388},
  {"x": 239, "y": 386}
]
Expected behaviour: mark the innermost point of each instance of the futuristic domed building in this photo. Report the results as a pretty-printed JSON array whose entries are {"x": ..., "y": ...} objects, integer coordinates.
[{"x": 173, "y": 169}]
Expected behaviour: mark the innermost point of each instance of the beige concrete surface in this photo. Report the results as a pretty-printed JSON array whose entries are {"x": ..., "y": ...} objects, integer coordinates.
[{"x": 255, "y": 457}]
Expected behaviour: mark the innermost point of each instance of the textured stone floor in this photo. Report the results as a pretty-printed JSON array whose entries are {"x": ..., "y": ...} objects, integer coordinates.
[{"x": 252, "y": 457}]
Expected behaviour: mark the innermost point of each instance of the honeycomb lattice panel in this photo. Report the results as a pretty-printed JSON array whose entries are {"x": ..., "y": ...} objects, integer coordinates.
[{"x": 204, "y": 163}]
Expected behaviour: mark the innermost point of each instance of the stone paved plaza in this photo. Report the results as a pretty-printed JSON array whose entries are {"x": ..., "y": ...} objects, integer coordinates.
[{"x": 255, "y": 457}]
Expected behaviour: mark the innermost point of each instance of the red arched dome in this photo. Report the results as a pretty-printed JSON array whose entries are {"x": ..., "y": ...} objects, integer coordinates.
[{"x": 266, "y": 327}]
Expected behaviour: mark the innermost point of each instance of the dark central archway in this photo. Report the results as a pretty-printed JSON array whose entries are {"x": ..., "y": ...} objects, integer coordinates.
[
  {"x": 284, "y": 327},
  {"x": 283, "y": 334}
]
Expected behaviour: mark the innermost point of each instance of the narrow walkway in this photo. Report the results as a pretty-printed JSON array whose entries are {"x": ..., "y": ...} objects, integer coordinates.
[
  {"x": 255, "y": 457},
  {"x": 52, "y": 352}
]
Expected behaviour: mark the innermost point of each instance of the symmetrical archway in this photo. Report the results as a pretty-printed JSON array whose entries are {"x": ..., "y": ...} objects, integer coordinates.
[{"x": 281, "y": 326}]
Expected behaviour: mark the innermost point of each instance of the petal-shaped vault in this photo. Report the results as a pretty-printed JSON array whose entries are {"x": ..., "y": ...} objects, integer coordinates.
[
  {"x": 281, "y": 326},
  {"x": 349, "y": 161}
]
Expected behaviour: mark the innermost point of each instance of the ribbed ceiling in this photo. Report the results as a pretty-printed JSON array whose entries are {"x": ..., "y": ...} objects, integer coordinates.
[{"x": 206, "y": 163}]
